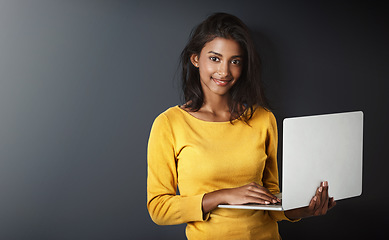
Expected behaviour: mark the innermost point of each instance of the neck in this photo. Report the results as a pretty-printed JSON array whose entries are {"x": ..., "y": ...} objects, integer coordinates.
[{"x": 216, "y": 104}]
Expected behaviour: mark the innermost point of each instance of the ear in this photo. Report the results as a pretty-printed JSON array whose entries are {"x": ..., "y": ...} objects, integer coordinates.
[{"x": 195, "y": 60}]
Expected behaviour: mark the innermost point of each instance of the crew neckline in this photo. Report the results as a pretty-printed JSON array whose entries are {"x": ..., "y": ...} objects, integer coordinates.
[{"x": 201, "y": 120}]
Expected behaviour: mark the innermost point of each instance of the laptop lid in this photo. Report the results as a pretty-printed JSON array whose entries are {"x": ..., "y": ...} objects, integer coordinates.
[
  {"x": 322, "y": 148},
  {"x": 315, "y": 149}
]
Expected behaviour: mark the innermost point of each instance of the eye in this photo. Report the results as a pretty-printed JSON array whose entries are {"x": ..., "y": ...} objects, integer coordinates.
[
  {"x": 236, "y": 62},
  {"x": 214, "y": 59}
]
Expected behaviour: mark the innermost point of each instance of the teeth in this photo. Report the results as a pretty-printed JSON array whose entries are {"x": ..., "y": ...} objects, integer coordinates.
[{"x": 221, "y": 81}]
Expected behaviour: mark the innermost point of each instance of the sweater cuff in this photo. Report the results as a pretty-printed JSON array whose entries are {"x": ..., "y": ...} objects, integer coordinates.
[{"x": 194, "y": 208}]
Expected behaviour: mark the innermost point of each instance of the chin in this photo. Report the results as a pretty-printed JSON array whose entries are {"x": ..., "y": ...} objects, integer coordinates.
[{"x": 220, "y": 92}]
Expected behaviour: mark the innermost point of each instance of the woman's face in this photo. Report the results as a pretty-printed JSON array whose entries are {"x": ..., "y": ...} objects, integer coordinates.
[{"x": 220, "y": 65}]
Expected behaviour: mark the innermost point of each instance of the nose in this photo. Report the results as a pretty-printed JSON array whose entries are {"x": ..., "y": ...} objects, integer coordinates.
[{"x": 223, "y": 69}]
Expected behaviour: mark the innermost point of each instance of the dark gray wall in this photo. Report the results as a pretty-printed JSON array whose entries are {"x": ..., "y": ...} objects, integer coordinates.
[{"x": 82, "y": 81}]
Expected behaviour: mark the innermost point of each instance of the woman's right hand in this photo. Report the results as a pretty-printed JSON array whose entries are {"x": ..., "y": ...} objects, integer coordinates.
[{"x": 250, "y": 193}]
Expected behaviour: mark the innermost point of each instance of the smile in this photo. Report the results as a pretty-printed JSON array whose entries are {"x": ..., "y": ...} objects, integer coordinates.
[{"x": 221, "y": 82}]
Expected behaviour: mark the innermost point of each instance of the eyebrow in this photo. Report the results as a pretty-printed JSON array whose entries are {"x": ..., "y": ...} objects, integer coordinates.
[{"x": 218, "y": 54}]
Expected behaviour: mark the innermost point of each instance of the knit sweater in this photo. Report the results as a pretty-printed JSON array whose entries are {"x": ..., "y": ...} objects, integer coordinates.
[{"x": 198, "y": 157}]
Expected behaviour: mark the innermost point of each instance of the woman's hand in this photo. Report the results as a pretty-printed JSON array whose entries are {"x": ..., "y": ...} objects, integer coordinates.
[
  {"x": 250, "y": 193},
  {"x": 319, "y": 205}
]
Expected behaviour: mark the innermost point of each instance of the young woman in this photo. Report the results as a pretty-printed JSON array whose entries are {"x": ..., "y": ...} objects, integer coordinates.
[{"x": 220, "y": 146}]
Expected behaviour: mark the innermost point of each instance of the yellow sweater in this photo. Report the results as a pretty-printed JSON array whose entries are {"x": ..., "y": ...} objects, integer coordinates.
[{"x": 200, "y": 157}]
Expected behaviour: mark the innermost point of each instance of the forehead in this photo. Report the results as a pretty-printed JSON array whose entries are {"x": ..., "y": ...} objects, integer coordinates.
[{"x": 223, "y": 46}]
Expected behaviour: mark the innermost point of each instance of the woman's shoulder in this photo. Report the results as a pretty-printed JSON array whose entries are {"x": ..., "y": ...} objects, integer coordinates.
[
  {"x": 262, "y": 115},
  {"x": 260, "y": 111},
  {"x": 171, "y": 114},
  {"x": 170, "y": 120}
]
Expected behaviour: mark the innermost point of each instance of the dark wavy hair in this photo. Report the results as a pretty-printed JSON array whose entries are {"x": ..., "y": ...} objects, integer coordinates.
[{"x": 247, "y": 93}]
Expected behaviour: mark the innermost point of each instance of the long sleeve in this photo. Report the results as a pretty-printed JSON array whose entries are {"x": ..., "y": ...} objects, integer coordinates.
[
  {"x": 164, "y": 206},
  {"x": 270, "y": 174}
]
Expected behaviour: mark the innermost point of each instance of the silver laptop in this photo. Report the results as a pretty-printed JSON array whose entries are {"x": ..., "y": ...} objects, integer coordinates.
[{"x": 315, "y": 149}]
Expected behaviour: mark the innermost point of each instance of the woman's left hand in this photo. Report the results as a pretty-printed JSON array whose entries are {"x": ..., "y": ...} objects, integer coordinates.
[{"x": 319, "y": 204}]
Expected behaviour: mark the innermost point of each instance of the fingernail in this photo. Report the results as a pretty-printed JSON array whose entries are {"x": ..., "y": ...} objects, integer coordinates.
[
  {"x": 274, "y": 200},
  {"x": 266, "y": 202},
  {"x": 325, "y": 184},
  {"x": 320, "y": 189},
  {"x": 314, "y": 198}
]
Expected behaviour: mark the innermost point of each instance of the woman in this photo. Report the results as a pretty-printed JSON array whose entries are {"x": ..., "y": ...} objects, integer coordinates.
[{"x": 219, "y": 147}]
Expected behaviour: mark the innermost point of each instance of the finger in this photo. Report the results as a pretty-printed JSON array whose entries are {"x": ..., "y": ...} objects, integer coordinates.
[
  {"x": 317, "y": 209},
  {"x": 331, "y": 203},
  {"x": 318, "y": 201},
  {"x": 264, "y": 192},
  {"x": 251, "y": 199},
  {"x": 261, "y": 196},
  {"x": 325, "y": 199},
  {"x": 312, "y": 203},
  {"x": 324, "y": 208},
  {"x": 318, "y": 198},
  {"x": 323, "y": 192}
]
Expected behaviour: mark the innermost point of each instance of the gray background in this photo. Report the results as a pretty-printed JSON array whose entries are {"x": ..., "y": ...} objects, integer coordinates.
[{"x": 82, "y": 81}]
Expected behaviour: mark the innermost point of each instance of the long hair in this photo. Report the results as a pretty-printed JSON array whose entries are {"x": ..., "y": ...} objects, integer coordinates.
[{"x": 247, "y": 93}]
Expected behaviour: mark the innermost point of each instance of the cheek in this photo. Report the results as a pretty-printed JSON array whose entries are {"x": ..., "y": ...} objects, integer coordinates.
[
  {"x": 236, "y": 73},
  {"x": 206, "y": 70}
]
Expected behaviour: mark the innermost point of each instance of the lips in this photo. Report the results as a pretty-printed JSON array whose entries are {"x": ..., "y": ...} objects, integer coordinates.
[{"x": 221, "y": 82}]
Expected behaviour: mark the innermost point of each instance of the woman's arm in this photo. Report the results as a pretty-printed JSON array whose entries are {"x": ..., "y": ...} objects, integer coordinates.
[
  {"x": 164, "y": 205},
  {"x": 250, "y": 193},
  {"x": 254, "y": 193}
]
